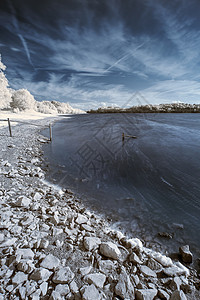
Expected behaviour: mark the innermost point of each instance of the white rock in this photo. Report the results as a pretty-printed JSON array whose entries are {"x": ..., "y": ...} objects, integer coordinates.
[
  {"x": 106, "y": 266},
  {"x": 98, "y": 279},
  {"x": 134, "y": 258},
  {"x": 2, "y": 237},
  {"x": 173, "y": 271},
  {"x": 87, "y": 228},
  {"x": 135, "y": 243},
  {"x": 145, "y": 294},
  {"x": 62, "y": 289},
  {"x": 63, "y": 275},
  {"x": 55, "y": 296},
  {"x": 84, "y": 271},
  {"x": 181, "y": 266},
  {"x": 178, "y": 295},
  {"x": 44, "y": 288},
  {"x": 110, "y": 250},
  {"x": 25, "y": 253},
  {"x": 22, "y": 292},
  {"x": 57, "y": 231},
  {"x": 19, "y": 277},
  {"x": 23, "y": 201},
  {"x": 162, "y": 259},
  {"x": 90, "y": 293},
  {"x": 37, "y": 196},
  {"x": 50, "y": 262},
  {"x": 8, "y": 243},
  {"x": 41, "y": 274},
  {"x": 91, "y": 243},
  {"x": 146, "y": 271},
  {"x": 81, "y": 219},
  {"x": 73, "y": 287}
]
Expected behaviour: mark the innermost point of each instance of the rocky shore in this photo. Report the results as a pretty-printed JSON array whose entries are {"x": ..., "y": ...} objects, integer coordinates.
[{"x": 52, "y": 247}]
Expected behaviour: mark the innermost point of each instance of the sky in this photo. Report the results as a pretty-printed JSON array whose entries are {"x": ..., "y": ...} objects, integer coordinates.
[{"x": 94, "y": 53}]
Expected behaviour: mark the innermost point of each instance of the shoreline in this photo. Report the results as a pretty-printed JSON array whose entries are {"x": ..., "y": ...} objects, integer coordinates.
[{"x": 53, "y": 247}]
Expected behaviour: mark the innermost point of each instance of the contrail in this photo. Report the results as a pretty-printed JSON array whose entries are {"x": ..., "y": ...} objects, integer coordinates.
[
  {"x": 16, "y": 25},
  {"x": 124, "y": 57}
]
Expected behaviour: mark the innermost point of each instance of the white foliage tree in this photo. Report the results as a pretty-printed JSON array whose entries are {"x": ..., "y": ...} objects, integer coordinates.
[
  {"x": 22, "y": 100},
  {"x": 5, "y": 94}
]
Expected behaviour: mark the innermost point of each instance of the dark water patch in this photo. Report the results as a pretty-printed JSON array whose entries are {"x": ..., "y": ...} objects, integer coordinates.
[{"x": 146, "y": 184}]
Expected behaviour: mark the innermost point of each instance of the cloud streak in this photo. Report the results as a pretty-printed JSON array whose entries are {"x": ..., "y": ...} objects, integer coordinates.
[{"x": 93, "y": 52}]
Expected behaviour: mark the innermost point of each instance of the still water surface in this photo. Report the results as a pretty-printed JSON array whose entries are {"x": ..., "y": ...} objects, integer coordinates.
[{"x": 148, "y": 185}]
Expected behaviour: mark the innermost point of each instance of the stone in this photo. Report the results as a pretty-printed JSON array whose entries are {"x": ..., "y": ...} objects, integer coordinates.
[
  {"x": 19, "y": 277},
  {"x": 106, "y": 266},
  {"x": 178, "y": 295},
  {"x": 90, "y": 293},
  {"x": 173, "y": 271},
  {"x": 146, "y": 271},
  {"x": 57, "y": 231},
  {"x": 135, "y": 243},
  {"x": 62, "y": 289},
  {"x": 98, "y": 279},
  {"x": 25, "y": 266},
  {"x": 37, "y": 196},
  {"x": 81, "y": 219},
  {"x": 22, "y": 292},
  {"x": 110, "y": 250},
  {"x": 73, "y": 287},
  {"x": 134, "y": 259},
  {"x": 154, "y": 265},
  {"x": 163, "y": 294},
  {"x": 44, "y": 244},
  {"x": 185, "y": 253},
  {"x": 44, "y": 288},
  {"x": 23, "y": 201},
  {"x": 91, "y": 243},
  {"x": 145, "y": 294},
  {"x": 175, "y": 283},
  {"x": 162, "y": 259},
  {"x": 87, "y": 228},
  {"x": 8, "y": 243},
  {"x": 41, "y": 274},
  {"x": 50, "y": 262},
  {"x": 2, "y": 237},
  {"x": 85, "y": 270},
  {"x": 120, "y": 289},
  {"x": 55, "y": 296},
  {"x": 25, "y": 253},
  {"x": 63, "y": 275}
]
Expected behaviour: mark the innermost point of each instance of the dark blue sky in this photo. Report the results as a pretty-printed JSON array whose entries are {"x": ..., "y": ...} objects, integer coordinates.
[{"x": 95, "y": 52}]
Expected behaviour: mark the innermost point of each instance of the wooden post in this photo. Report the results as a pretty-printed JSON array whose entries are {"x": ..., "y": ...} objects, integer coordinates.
[
  {"x": 50, "y": 133},
  {"x": 9, "y": 126}
]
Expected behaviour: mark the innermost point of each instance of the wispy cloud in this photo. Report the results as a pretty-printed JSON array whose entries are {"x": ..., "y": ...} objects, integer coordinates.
[
  {"x": 87, "y": 57},
  {"x": 16, "y": 26}
]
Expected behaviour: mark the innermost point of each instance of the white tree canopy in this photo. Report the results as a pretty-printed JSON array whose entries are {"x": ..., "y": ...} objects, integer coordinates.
[
  {"x": 5, "y": 93},
  {"x": 23, "y": 100}
]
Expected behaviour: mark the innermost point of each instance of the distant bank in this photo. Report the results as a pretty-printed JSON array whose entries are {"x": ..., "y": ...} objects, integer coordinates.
[{"x": 161, "y": 108}]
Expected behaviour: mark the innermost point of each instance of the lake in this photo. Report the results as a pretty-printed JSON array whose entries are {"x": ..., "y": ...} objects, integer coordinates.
[{"x": 147, "y": 185}]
